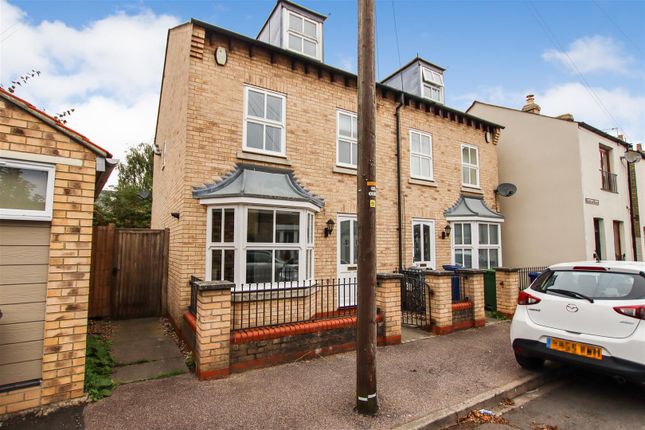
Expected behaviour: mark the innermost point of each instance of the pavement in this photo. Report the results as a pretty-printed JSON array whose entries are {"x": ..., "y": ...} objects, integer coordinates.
[
  {"x": 415, "y": 379},
  {"x": 143, "y": 350},
  {"x": 581, "y": 400}
]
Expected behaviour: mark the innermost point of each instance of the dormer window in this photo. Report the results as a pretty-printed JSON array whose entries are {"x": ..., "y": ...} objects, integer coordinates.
[
  {"x": 302, "y": 34},
  {"x": 432, "y": 84}
]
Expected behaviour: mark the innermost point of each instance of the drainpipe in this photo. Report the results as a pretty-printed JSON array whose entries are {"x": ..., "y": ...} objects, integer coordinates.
[
  {"x": 630, "y": 188},
  {"x": 398, "y": 179}
]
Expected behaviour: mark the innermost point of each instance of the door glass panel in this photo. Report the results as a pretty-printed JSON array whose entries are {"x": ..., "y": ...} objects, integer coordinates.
[
  {"x": 345, "y": 242},
  {"x": 258, "y": 266},
  {"x": 427, "y": 238},
  {"x": 287, "y": 226},
  {"x": 260, "y": 226},
  {"x": 286, "y": 265},
  {"x": 417, "y": 242}
]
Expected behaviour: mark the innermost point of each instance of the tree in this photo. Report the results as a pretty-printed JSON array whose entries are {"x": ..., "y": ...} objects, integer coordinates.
[{"x": 129, "y": 203}]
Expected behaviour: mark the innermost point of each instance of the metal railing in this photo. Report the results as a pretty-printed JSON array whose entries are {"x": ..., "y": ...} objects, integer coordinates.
[
  {"x": 192, "y": 307},
  {"x": 415, "y": 306},
  {"x": 458, "y": 285},
  {"x": 265, "y": 305},
  {"x": 609, "y": 181},
  {"x": 525, "y": 281}
]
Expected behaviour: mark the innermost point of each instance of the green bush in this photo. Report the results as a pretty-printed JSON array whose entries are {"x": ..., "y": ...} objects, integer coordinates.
[{"x": 98, "y": 368}]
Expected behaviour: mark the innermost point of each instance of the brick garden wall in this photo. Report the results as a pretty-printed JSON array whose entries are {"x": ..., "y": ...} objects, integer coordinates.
[{"x": 69, "y": 259}]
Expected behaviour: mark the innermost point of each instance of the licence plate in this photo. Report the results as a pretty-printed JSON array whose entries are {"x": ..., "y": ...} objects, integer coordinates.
[{"x": 575, "y": 348}]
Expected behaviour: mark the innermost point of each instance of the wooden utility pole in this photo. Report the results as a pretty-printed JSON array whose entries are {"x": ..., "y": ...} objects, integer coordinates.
[{"x": 366, "y": 400}]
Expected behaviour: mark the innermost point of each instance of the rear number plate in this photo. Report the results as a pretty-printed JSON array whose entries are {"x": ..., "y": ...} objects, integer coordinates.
[{"x": 575, "y": 348}]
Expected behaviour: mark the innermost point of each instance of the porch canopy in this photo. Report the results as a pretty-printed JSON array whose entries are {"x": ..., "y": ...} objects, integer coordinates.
[
  {"x": 472, "y": 208},
  {"x": 250, "y": 183}
]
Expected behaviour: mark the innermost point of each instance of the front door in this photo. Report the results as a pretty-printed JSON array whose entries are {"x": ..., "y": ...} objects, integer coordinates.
[{"x": 347, "y": 260}]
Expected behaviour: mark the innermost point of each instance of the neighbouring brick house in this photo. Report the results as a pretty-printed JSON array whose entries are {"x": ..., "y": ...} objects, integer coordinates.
[
  {"x": 49, "y": 178},
  {"x": 256, "y": 177}
]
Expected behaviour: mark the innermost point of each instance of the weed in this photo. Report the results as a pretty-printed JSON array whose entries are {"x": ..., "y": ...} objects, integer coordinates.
[{"x": 98, "y": 368}]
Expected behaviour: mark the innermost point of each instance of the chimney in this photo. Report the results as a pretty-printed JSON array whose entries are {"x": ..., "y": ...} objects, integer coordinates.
[
  {"x": 530, "y": 105},
  {"x": 565, "y": 116}
]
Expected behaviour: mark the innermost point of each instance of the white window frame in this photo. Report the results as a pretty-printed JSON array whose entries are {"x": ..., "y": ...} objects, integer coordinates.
[
  {"x": 475, "y": 246},
  {"x": 301, "y": 34},
  {"x": 221, "y": 245},
  {"x": 32, "y": 215},
  {"x": 425, "y": 262},
  {"x": 353, "y": 141},
  {"x": 465, "y": 165},
  {"x": 305, "y": 247},
  {"x": 264, "y": 122},
  {"x": 421, "y": 155},
  {"x": 434, "y": 80},
  {"x": 488, "y": 246}
]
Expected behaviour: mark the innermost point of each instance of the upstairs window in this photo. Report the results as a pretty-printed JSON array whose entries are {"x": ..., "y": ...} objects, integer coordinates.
[
  {"x": 347, "y": 140},
  {"x": 264, "y": 117},
  {"x": 469, "y": 166},
  {"x": 421, "y": 155},
  {"x": 26, "y": 190},
  {"x": 302, "y": 35},
  {"x": 432, "y": 83},
  {"x": 608, "y": 178}
]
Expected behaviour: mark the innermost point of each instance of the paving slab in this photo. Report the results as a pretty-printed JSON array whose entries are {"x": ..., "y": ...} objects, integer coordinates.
[
  {"x": 143, "y": 351},
  {"x": 415, "y": 379}
]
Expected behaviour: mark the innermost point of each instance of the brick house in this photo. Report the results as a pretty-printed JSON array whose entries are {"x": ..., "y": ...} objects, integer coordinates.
[
  {"x": 49, "y": 178},
  {"x": 256, "y": 177}
]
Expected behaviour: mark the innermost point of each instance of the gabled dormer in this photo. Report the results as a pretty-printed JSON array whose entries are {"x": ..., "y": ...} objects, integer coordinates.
[
  {"x": 296, "y": 28},
  {"x": 421, "y": 78}
]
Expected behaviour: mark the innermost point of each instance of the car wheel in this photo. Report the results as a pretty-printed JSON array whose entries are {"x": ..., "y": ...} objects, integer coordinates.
[{"x": 530, "y": 363}]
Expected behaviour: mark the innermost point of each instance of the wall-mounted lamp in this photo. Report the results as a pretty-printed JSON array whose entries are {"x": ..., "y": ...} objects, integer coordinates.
[
  {"x": 446, "y": 232},
  {"x": 330, "y": 227},
  {"x": 174, "y": 214}
]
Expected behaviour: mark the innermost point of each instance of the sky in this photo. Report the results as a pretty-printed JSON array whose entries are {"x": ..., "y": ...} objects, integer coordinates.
[{"x": 105, "y": 58}]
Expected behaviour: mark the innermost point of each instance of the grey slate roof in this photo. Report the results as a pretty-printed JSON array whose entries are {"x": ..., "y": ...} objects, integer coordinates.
[
  {"x": 249, "y": 180},
  {"x": 467, "y": 207}
]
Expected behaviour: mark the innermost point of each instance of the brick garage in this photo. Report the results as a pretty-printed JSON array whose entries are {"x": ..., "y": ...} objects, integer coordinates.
[{"x": 44, "y": 323}]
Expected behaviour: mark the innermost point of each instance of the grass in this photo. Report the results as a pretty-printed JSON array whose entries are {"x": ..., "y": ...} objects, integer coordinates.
[
  {"x": 98, "y": 368},
  {"x": 170, "y": 374},
  {"x": 142, "y": 361},
  {"x": 497, "y": 315}
]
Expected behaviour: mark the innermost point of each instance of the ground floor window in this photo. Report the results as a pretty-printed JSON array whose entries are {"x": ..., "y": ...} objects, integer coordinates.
[
  {"x": 477, "y": 245},
  {"x": 260, "y": 245},
  {"x": 26, "y": 190}
]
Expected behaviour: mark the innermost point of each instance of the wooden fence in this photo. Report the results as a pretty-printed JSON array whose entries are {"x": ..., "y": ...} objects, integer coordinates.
[{"x": 129, "y": 272}]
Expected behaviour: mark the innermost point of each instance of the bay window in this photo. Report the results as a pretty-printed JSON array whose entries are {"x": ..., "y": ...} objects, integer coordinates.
[
  {"x": 477, "y": 245},
  {"x": 489, "y": 246},
  {"x": 463, "y": 244}
]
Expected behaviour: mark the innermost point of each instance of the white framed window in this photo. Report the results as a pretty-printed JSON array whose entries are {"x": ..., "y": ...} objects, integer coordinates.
[
  {"x": 423, "y": 243},
  {"x": 489, "y": 245},
  {"x": 463, "y": 244},
  {"x": 477, "y": 245},
  {"x": 432, "y": 85},
  {"x": 346, "y": 139},
  {"x": 260, "y": 246},
  {"x": 302, "y": 35},
  {"x": 264, "y": 121},
  {"x": 421, "y": 155},
  {"x": 470, "y": 166},
  {"x": 26, "y": 190}
]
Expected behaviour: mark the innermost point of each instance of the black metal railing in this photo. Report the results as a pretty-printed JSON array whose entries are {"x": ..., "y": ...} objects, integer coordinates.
[
  {"x": 270, "y": 304},
  {"x": 415, "y": 306},
  {"x": 609, "y": 181},
  {"x": 192, "y": 307},
  {"x": 458, "y": 284},
  {"x": 525, "y": 279}
]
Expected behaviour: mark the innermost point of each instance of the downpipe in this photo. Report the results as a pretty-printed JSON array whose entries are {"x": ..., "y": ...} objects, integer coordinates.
[{"x": 398, "y": 180}]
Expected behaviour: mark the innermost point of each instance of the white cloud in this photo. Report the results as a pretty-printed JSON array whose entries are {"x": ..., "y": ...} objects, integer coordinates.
[
  {"x": 108, "y": 70},
  {"x": 592, "y": 54}
]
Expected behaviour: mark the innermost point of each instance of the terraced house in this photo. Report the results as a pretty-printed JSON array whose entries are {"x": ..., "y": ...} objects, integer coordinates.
[{"x": 256, "y": 176}]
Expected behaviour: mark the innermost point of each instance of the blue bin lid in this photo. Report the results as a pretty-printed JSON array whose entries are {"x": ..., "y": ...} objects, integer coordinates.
[{"x": 452, "y": 267}]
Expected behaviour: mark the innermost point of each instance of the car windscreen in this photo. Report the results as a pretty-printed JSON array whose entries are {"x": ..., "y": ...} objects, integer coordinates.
[{"x": 596, "y": 285}]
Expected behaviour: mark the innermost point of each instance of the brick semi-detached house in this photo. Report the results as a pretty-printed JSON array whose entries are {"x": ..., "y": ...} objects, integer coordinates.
[{"x": 256, "y": 175}]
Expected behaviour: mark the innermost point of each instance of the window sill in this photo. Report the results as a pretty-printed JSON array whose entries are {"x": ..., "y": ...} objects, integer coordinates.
[
  {"x": 274, "y": 159},
  {"x": 609, "y": 191},
  {"x": 424, "y": 182},
  {"x": 472, "y": 190},
  {"x": 344, "y": 170}
]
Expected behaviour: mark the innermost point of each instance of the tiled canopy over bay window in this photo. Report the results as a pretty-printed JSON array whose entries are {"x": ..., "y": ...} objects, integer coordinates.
[
  {"x": 476, "y": 234},
  {"x": 259, "y": 227}
]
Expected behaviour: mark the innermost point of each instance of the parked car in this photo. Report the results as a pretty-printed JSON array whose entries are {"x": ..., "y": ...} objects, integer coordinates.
[{"x": 589, "y": 314}]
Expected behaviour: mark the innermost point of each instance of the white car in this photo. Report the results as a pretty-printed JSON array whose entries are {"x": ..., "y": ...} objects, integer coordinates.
[{"x": 589, "y": 314}]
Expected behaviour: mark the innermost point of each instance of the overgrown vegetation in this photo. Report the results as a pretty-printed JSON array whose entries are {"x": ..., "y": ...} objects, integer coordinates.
[
  {"x": 98, "y": 368},
  {"x": 497, "y": 315},
  {"x": 129, "y": 203}
]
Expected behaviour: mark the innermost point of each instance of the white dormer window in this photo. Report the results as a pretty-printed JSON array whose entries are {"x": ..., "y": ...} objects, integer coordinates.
[
  {"x": 303, "y": 35},
  {"x": 432, "y": 83}
]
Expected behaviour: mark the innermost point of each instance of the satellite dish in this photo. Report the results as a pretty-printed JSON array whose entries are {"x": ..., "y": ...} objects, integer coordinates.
[
  {"x": 633, "y": 156},
  {"x": 506, "y": 190}
]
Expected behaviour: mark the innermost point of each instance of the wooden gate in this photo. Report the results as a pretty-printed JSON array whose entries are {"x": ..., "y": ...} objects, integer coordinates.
[{"x": 129, "y": 269}]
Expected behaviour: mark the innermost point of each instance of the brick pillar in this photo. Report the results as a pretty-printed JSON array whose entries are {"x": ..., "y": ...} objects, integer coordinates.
[
  {"x": 507, "y": 283},
  {"x": 440, "y": 301},
  {"x": 474, "y": 288},
  {"x": 388, "y": 301},
  {"x": 213, "y": 329}
]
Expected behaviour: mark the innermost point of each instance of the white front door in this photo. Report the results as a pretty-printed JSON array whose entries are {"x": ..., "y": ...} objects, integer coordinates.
[{"x": 347, "y": 232}]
